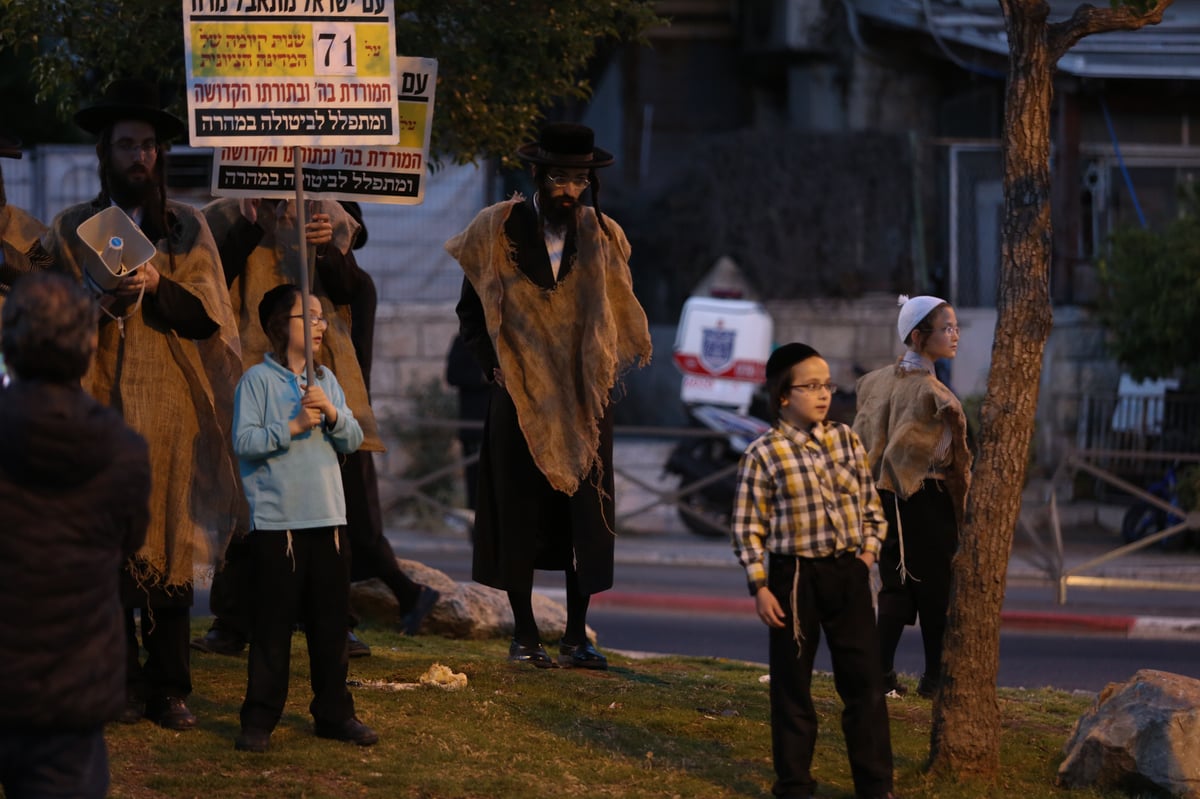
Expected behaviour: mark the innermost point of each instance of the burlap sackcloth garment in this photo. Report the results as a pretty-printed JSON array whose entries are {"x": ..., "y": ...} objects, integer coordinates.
[
  {"x": 21, "y": 234},
  {"x": 561, "y": 350},
  {"x": 900, "y": 419},
  {"x": 176, "y": 392}
]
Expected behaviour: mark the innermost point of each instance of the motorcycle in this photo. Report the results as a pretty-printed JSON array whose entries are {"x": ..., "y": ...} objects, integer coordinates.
[
  {"x": 707, "y": 467},
  {"x": 1143, "y": 519}
]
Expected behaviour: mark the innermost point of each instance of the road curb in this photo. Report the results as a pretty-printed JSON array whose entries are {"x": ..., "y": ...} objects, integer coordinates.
[
  {"x": 1049, "y": 621},
  {"x": 1128, "y": 626}
]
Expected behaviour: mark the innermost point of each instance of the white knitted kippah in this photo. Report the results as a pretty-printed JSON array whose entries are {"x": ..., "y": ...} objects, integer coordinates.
[{"x": 913, "y": 310}]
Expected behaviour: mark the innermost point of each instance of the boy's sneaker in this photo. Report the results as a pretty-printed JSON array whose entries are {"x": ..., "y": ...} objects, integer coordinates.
[
  {"x": 351, "y": 730},
  {"x": 892, "y": 687},
  {"x": 251, "y": 740}
]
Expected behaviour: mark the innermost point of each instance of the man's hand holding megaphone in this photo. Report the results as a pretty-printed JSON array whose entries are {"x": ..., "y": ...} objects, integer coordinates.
[{"x": 142, "y": 279}]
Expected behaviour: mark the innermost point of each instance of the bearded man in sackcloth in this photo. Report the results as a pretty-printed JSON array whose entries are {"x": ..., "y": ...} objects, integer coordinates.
[
  {"x": 548, "y": 310},
  {"x": 20, "y": 234},
  {"x": 169, "y": 361}
]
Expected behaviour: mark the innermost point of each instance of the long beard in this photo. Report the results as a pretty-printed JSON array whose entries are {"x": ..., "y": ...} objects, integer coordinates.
[
  {"x": 559, "y": 212},
  {"x": 133, "y": 192}
]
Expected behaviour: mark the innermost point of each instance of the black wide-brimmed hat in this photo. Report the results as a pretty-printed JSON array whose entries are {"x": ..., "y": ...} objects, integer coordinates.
[
  {"x": 10, "y": 146},
  {"x": 130, "y": 98},
  {"x": 565, "y": 144}
]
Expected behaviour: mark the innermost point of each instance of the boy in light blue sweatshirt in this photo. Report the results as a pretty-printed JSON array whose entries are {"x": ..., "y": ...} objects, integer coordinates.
[{"x": 287, "y": 436}]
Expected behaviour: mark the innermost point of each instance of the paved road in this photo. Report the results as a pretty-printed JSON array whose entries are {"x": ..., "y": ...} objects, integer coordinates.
[{"x": 681, "y": 595}]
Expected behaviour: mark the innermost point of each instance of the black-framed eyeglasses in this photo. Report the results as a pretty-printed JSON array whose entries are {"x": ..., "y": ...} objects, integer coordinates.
[
  {"x": 565, "y": 180},
  {"x": 814, "y": 388},
  {"x": 131, "y": 147},
  {"x": 313, "y": 319}
]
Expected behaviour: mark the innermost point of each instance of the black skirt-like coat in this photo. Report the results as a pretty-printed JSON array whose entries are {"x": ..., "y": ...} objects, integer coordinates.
[{"x": 521, "y": 522}]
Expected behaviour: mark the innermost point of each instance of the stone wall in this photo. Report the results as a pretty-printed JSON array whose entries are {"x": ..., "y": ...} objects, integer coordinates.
[
  {"x": 411, "y": 342},
  {"x": 855, "y": 336}
]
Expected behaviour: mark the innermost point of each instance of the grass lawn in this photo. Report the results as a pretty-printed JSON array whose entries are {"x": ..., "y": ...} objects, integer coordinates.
[{"x": 670, "y": 727}]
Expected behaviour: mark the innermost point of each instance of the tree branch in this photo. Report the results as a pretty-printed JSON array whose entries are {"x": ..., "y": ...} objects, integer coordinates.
[{"x": 1087, "y": 19}]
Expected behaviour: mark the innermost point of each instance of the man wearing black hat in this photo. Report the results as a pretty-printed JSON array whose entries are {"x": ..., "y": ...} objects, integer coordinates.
[
  {"x": 548, "y": 310},
  {"x": 20, "y": 234},
  {"x": 168, "y": 359}
]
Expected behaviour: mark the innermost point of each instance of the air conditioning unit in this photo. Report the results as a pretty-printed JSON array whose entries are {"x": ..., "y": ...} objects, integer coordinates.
[{"x": 781, "y": 26}]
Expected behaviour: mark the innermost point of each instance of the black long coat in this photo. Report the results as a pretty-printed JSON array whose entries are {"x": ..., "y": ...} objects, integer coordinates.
[{"x": 521, "y": 522}]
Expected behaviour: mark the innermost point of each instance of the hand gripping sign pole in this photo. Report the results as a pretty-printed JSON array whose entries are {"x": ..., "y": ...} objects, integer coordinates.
[{"x": 305, "y": 278}]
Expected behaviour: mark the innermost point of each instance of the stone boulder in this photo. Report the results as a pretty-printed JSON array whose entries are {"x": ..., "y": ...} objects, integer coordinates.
[
  {"x": 464, "y": 610},
  {"x": 1142, "y": 734}
]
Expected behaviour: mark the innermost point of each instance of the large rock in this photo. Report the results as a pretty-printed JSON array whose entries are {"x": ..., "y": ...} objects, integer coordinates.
[
  {"x": 465, "y": 610},
  {"x": 1140, "y": 734}
]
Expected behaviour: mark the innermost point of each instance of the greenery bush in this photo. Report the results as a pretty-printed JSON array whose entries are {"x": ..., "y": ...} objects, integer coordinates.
[
  {"x": 1189, "y": 488},
  {"x": 1149, "y": 302}
]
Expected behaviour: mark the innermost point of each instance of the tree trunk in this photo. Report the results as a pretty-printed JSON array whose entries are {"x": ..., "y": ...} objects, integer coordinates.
[{"x": 965, "y": 735}]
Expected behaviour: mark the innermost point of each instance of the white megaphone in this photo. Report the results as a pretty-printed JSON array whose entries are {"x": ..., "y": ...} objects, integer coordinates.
[{"x": 118, "y": 247}]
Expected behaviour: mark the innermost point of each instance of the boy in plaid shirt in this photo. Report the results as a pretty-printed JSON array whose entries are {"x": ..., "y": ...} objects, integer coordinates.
[{"x": 807, "y": 527}]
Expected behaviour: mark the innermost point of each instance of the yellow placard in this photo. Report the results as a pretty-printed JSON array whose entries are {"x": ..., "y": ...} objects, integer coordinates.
[
  {"x": 412, "y": 125},
  {"x": 374, "y": 60},
  {"x": 222, "y": 49}
]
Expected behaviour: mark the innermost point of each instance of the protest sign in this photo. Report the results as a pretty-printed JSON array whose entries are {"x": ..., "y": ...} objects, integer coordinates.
[
  {"x": 366, "y": 174},
  {"x": 291, "y": 72}
]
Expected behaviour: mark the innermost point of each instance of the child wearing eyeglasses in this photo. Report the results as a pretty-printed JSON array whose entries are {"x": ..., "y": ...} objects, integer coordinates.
[
  {"x": 807, "y": 527},
  {"x": 916, "y": 437},
  {"x": 287, "y": 435}
]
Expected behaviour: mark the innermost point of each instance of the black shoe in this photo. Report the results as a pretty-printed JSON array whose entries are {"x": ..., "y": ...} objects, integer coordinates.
[
  {"x": 581, "y": 656},
  {"x": 170, "y": 712},
  {"x": 892, "y": 687},
  {"x": 533, "y": 655},
  {"x": 219, "y": 641},
  {"x": 135, "y": 711},
  {"x": 928, "y": 686},
  {"x": 356, "y": 647},
  {"x": 252, "y": 740},
  {"x": 410, "y": 623},
  {"x": 351, "y": 730}
]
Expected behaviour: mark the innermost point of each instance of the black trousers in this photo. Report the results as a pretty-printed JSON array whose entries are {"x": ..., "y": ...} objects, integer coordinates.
[
  {"x": 833, "y": 595},
  {"x": 43, "y": 764},
  {"x": 930, "y": 541},
  {"x": 309, "y": 583},
  {"x": 370, "y": 553},
  {"x": 167, "y": 670}
]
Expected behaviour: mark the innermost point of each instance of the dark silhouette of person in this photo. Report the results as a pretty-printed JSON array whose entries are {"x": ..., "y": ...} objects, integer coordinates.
[{"x": 474, "y": 391}]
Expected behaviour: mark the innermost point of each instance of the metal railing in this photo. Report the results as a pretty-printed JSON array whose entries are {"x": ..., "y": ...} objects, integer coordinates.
[
  {"x": 649, "y": 495},
  {"x": 1119, "y": 431},
  {"x": 1081, "y": 574}
]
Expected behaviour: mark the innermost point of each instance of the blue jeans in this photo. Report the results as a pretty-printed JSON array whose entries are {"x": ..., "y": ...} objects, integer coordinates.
[{"x": 40, "y": 764}]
